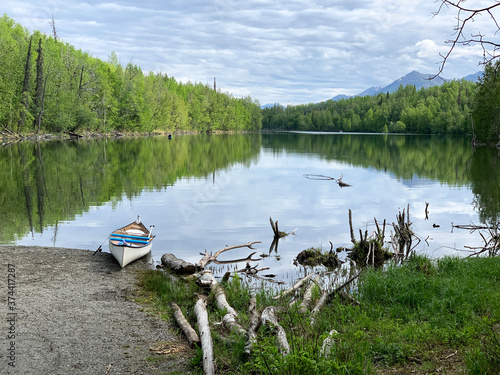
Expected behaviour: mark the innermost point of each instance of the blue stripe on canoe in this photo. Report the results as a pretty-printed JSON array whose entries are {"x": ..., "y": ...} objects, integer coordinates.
[
  {"x": 129, "y": 236},
  {"x": 127, "y": 240}
]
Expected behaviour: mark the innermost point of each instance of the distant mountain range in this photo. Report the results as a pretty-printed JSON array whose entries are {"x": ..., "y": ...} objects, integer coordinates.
[{"x": 415, "y": 78}]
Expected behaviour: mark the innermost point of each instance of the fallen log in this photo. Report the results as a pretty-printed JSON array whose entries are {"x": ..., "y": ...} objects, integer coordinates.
[
  {"x": 200, "y": 310},
  {"x": 229, "y": 319},
  {"x": 347, "y": 297},
  {"x": 327, "y": 346},
  {"x": 319, "y": 306},
  {"x": 177, "y": 265},
  {"x": 269, "y": 316},
  {"x": 343, "y": 285},
  {"x": 296, "y": 286},
  {"x": 306, "y": 301},
  {"x": 189, "y": 332},
  {"x": 73, "y": 135},
  {"x": 253, "y": 324}
]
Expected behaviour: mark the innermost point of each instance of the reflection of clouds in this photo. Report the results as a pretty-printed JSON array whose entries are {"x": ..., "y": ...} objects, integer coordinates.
[{"x": 235, "y": 209}]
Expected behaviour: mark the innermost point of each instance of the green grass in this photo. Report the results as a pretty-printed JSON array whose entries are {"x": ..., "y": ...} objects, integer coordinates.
[{"x": 419, "y": 316}]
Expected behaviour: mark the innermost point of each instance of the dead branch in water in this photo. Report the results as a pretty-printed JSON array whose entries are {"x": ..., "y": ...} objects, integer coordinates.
[
  {"x": 491, "y": 238},
  {"x": 322, "y": 177},
  {"x": 368, "y": 250},
  {"x": 404, "y": 235},
  {"x": 209, "y": 258},
  {"x": 277, "y": 235}
]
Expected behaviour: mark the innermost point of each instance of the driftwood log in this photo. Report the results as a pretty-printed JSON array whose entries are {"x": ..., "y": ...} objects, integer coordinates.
[
  {"x": 73, "y": 136},
  {"x": 200, "y": 310},
  {"x": 325, "y": 296},
  {"x": 253, "y": 324},
  {"x": 296, "y": 286},
  {"x": 327, "y": 346},
  {"x": 177, "y": 265},
  {"x": 229, "y": 319},
  {"x": 343, "y": 285},
  {"x": 269, "y": 317},
  {"x": 189, "y": 332},
  {"x": 319, "y": 305},
  {"x": 306, "y": 300}
]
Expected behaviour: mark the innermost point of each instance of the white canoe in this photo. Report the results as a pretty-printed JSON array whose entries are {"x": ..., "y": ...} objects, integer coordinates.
[{"x": 130, "y": 242}]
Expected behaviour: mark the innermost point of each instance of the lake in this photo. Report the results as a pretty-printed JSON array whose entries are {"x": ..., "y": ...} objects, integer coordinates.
[{"x": 206, "y": 192}]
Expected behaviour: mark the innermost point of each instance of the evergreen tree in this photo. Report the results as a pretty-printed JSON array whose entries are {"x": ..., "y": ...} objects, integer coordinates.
[{"x": 486, "y": 112}]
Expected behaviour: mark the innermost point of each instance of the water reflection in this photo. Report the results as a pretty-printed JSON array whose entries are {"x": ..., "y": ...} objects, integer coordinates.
[{"x": 205, "y": 192}]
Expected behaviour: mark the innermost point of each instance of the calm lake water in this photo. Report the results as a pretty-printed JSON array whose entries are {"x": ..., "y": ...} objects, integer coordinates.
[{"x": 205, "y": 192}]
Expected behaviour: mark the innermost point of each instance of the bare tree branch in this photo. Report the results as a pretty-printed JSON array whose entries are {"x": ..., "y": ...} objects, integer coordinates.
[
  {"x": 464, "y": 17},
  {"x": 209, "y": 258}
]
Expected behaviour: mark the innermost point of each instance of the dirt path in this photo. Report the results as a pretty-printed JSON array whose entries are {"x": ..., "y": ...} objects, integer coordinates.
[{"x": 74, "y": 315}]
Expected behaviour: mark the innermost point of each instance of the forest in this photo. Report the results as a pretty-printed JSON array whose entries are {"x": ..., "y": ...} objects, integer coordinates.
[
  {"x": 444, "y": 109},
  {"x": 47, "y": 86},
  {"x": 455, "y": 107}
]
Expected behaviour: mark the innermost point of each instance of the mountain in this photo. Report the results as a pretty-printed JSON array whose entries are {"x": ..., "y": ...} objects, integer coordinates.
[
  {"x": 474, "y": 77},
  {"x": 270, "y": 105},
  {"x": 340, "y": 97},
  {"x": 415, "y": 78},
  {"x": 371, "y": 91}
]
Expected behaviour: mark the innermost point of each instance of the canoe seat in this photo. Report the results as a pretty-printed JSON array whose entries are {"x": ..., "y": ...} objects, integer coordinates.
[
  {"x": 130, "y": 236},
  {"x": 131, "y": 240}
]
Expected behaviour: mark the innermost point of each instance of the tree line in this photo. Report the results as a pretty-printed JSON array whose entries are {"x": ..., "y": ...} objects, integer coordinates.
[
  {"x": 455, "y": 107},
  {"x": 47, "y": 85},
  {"x": 441, "y": 109}
]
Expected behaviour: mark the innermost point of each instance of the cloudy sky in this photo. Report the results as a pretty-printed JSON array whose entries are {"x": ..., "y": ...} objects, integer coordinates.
[{"x": 291, "y": 52}]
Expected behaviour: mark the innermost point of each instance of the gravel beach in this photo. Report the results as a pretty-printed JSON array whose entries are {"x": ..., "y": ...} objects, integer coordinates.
[{"x": 70, "y": 312}]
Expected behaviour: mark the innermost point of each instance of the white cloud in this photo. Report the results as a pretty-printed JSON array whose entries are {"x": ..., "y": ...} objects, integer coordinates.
[
  {"x": 427, "y": 48},
  {"x": 288, "y": 51}
]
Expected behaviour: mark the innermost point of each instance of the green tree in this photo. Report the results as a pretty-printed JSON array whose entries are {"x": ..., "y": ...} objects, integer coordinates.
[
  {"x": 25, "y": 92},
  {"x": 486, "y": 112}
]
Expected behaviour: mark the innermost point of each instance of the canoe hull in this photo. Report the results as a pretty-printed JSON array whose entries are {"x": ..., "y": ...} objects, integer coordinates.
[
  {"x": 126, "y": 254},
  {"x": 129, "y": 243}
]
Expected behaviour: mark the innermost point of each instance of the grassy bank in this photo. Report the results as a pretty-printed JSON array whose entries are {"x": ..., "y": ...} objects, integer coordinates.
[{"x": 425, "y": 316}]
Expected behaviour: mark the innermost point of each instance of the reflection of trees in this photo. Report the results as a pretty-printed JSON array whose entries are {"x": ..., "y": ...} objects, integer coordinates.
[
  {"x": 41, "y": 185},
  {"x": 26, "y": 186},
  {"x": 433, "y": 157},
  {"x": 45, "y": 183},
  {"x": 450, "y": 160},
  {"x": 485, "y": 176}
]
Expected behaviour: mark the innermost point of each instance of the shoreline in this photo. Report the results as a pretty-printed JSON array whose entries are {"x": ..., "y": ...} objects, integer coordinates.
[
  {"x": 7, "y": 138},
  {"x": 73, "y": 313}
]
